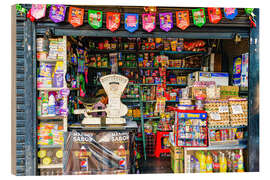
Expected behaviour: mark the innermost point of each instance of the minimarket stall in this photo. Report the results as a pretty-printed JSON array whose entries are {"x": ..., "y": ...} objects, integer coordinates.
[{"x": 189, "y": 87}]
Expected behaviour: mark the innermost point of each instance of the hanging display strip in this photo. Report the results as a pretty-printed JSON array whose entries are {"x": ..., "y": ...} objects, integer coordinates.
[{"x": 75, "y": 17}]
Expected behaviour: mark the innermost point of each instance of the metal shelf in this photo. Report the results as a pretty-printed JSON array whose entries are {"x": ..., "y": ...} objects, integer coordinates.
[
  {"x": 149, "y": 68},
  {"x": 148, "y": 84},
  {"x": 149, "y": 101},
  {"x": 130, "y": 100},
  {"x": 151, "y": 117},
  {"x": 182, "y": 52},
  {"x": 50, "y": 166},
  {"x": 172, "y": 101}
]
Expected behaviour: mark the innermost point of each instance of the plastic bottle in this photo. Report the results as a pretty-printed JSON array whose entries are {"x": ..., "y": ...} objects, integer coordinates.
[
  {"x": 197, "y": 166},
  {"x": 240, "y": 162},
  {"x": 51, "y": 104},
  {"x": 202, "y": 161},
  {"x": 209, "y": 163},
  {"x": 223, "y": 163},
  {"x": 229, "y": 162},
  {"x": 234, "y": 162},
  {"x": 215, "y": 162}
]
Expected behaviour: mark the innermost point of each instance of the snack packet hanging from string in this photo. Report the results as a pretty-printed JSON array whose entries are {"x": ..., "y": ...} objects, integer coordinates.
[
  {"x": 149, "y": 21},
  {"x": 131, "y": 22},
  {"x": 57, "y": 13},
  {"x": 165, "y": 21},
  {"x": 112, "y": 21},
  {"x": 182, "y": 19},
  {"x": 230, "y": 13},
  {"x": 38, "y": 11},
  {"x": 95, "y": 18},
  {"x": 198, "y": 17},
  {"x": 75, "y": 17},
  {"x": 214, "y": 15}
]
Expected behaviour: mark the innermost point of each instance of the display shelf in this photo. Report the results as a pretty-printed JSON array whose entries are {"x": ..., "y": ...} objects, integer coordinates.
[
  {"x": 74, "y": 89},
  {"x": 127, "y": 67},
  {"x": 149, "y": 51},
  {"x": 49, "y": 89},
  {"x": 98, "y": 68},
  {"x": 133, "y": 118},
  {"x": 111, "y": 51},
  {"x": 148, "y": 84},
  {"x": 182, "y": 68},
  {"x": 149, "y": 68},
  {"x": 172, "y": 101},
  {"x": 50, "y": 146},
  {"x": 130, "y": 100},
  {"x": 225, "y": 147},
  {"x": 49, "y": 60},
  {"x": 182, "y": 85},
  {"x": 50, "y": 166},
  {"x": 149, "y": 101},
  {"x": 157, "y": 117},
  {"x": 227, "y": 143},
  {"x": 183, "y": 52},
  {"x": 50, "y": 117},
  {"x": 225, "y": 127}
]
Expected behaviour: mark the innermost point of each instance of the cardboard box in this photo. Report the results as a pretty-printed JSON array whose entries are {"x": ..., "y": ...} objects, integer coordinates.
[
  {"x": 221, "y": 79},
  {"x": 177, "y": 152},
  {"x": 229, "y": 91}
]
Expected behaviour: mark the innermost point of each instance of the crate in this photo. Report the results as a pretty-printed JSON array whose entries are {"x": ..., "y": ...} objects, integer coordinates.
[
  {"x": 150, "y": 143},
  {"x": 228, "y": 91}
]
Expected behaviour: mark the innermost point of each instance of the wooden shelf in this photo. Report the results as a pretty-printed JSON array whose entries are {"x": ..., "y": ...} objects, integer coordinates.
[
  {"x": 50, "y": 166},
  {"x": 49, "y": 89},
  {"x": 50, "y": 117}
]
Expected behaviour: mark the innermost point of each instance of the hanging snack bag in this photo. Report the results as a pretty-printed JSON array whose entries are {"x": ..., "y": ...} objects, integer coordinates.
[
  {"x": 165, "y": 21},
  {"x": 95, "y": 18},
  {"x": 75, "y": 17},
  {"x": 230, "y": 13},
  {"x": 214, "y": 15},
  {"x": 113, "y": 21},
  {"x": 149, "y": 21},
  {"x": 131, "y": 22},
  {"x": 38, "y": 11},
  {"x": 57, "y": 13},
  {"x": 198, "y": 17},
  {"x": 182, "y": 19}
]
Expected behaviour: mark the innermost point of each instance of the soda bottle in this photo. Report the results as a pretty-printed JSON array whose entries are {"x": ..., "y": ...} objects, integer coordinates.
[
  {"x": 223, "y": 162},
  {"x": 229, "y": 162},
  {"x": 215, "y": 162},
  {"x": 197, "y": 166},
  {"x": 202, "y": 162},
  {"x": 240, "y": 162},
  {"x": 209, "y": 163},
  {"x": 234, "y": 162}
]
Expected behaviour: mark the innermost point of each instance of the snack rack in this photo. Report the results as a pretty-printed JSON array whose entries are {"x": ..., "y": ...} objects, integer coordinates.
[
  {"x": 190, "y": 114},
  {"x": 60, "y": 120}
]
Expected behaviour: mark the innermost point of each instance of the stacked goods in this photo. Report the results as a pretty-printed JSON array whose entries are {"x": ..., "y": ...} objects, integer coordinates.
[
  {"x": 228, "y": 91},
  {"x": 177, "y": 158},
  {"x": 49, "y": 156},
  {"x": 218, "y": 112},
  {"x": 223, "y": 136},
  {"x": 51, "y": 171},
  {"x": 42, "y": 48},
  {"x": 56, "y": 49},
  {"x": 192, "y": 62},
  {"x": 50, "y": 134},
  {"x": 196, "y": 45},
  {"x": 238, "y": 111},
  {"x": 131, "y": 91},
  {"x": 133, "y": 111}
]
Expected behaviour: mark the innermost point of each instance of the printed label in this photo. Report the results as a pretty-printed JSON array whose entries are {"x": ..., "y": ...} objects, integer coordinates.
[{"x": 237, "y": 109}]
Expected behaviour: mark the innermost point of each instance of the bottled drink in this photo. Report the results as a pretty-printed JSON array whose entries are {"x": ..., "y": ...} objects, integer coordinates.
[
  {"x": 202, "y": 161},
  {"x": 240, "y": 162},
  {"x": 223, "y": 163},
  {"x": 209, "y": 163},
  {"x": 215, "y": 162}
]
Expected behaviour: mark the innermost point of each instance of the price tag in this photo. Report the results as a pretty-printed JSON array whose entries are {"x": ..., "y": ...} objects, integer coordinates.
[
  {"x": 223, "y": 109},
  {"x": 237, "y": 109},
  {"x": 215, "y": 116}
]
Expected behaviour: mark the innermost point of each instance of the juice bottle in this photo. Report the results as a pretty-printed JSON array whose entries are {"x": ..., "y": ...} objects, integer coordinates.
[
  {"x": 209, "y": 163},
  {"x": 202, "y": 162},
  {"x": 223, "y": 163},
  {"x": 240, "y": 162},
  {"x": 234, "y": 162}
]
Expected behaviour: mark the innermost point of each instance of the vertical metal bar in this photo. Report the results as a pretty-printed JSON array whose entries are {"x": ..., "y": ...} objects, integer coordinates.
[
  {"x": 142, "y": 122},
  {"x": 253, "y": 95},
  {"x": 28, "y": 98},
  {"x": 34, "y": 100}
]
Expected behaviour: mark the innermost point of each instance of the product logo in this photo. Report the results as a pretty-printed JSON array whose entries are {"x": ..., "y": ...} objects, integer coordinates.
[
  {"x": 122, "y": 163},
  {"x": 84, "y": 164}
]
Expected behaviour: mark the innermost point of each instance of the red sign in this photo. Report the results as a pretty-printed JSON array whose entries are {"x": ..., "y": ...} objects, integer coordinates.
[
  {"x": 182, "y": 19},
  {"x": 214, "y": 15}
]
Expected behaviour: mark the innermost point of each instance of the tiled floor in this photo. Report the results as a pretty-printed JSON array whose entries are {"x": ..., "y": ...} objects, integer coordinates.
[{"x": 157, "y": 165}]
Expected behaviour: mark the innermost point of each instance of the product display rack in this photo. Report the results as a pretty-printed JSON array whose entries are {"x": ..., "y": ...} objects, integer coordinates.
[{"x": 55, "y": 118}]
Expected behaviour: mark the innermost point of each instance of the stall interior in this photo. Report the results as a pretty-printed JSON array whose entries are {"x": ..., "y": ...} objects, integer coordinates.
[{"x": 182, "y": 93}]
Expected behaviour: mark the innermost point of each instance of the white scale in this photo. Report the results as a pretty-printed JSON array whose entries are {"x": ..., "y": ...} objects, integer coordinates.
[{"x": 114, "y": 86}]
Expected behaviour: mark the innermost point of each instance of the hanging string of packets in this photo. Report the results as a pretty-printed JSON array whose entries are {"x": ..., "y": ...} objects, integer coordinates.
[{"x": 75, "y": 15}]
